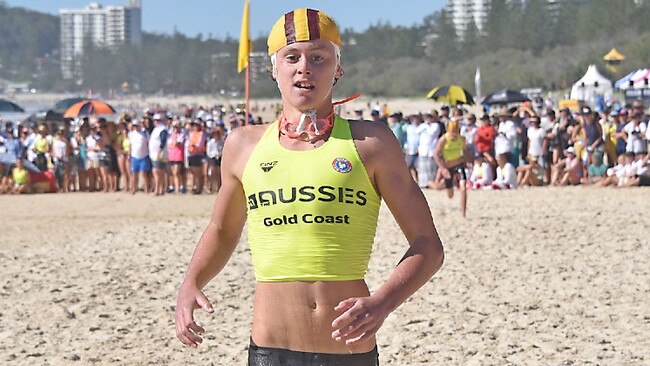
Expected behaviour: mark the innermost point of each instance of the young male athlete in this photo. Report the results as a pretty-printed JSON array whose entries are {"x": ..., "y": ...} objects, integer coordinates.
[{"x": 310, "y": 186}]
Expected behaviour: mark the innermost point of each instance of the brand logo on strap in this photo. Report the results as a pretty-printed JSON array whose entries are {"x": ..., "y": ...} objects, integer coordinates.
[
  {"x": 342, "y": 165},
  {"x": 268, "y": 166}
]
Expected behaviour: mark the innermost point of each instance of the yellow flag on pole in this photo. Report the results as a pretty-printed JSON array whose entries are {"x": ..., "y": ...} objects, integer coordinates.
[{"x": 244, "y": 40}]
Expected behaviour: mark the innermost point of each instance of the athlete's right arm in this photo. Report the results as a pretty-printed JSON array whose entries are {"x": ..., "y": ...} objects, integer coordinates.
[{"x": 217, "y": 242}]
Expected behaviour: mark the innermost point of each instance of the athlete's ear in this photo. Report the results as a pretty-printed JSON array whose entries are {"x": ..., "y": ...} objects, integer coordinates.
[{"x": 337, "y": 75}]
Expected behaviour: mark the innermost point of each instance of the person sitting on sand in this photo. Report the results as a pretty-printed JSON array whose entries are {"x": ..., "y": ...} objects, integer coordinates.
[
  {"x": 531, "y": 174},
  {"x": 309, "y": 186},
  {"x": 506, "y": 174},
  {"x": 567, "y": 170},
  {"x": 639, "y": 172},
  {"x": 481, "y": 173},
  {"x": 20, "y": 179},
  {"x": 596, "y": 171}
]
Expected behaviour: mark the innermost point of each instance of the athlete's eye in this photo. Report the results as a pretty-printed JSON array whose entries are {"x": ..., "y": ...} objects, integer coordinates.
[{"x": 292, "y": 58}]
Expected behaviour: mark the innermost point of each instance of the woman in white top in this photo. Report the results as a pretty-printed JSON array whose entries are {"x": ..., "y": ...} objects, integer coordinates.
[
  {"x": 214, "y": 149},
  {"x": 61, "y": 150},
  {"x": 506, "y": 174}
]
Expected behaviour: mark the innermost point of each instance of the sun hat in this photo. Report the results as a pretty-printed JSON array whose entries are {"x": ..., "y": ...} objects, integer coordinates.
[{"x": 302, "y": 25}]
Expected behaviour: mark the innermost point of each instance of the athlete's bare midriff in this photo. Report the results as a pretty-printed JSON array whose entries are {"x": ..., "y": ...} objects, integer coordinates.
[{"x": 298, "y": 315}]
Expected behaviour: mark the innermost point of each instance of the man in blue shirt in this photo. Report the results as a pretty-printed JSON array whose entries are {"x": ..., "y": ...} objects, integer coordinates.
[{"x": 398, "y": 127}]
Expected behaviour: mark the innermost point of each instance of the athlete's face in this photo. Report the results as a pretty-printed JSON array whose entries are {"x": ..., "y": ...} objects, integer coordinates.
[{"x": 306, "y": 73}]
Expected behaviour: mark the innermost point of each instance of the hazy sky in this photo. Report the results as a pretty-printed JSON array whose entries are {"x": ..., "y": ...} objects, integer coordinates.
[{"x": 222, "y": 18}]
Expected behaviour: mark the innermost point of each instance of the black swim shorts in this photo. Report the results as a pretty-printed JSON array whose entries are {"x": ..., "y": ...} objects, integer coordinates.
[
  {"x": 265, "y": 356},
  {"x": 460, "y": 169}
]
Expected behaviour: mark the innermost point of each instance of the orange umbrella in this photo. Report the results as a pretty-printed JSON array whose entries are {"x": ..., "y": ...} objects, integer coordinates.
[{"x": 88, "y": 107}]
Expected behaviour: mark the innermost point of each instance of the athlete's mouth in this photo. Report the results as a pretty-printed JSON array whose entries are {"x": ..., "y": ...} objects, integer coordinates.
[{"x": 304, "y": 85}]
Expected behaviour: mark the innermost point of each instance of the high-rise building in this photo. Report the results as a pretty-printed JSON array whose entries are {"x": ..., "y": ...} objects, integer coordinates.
[
  {"x": 108, "y": 27},
  {"x": 462, "y": 12}
]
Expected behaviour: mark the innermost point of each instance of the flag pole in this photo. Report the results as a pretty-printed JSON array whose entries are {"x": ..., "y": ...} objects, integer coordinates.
[
  {"x": 243, "y": 56},
  {"x": 247, "y": 92}
]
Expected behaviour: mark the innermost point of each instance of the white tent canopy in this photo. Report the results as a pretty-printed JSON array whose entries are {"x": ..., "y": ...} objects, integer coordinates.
[
  {"x": 635, "y": 80},
  {"x": 592, "y": 86}
]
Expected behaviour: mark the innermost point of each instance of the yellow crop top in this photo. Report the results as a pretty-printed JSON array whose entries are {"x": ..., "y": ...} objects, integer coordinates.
[
  {"x": 453, "y": 149},
  {"x": 312, "y": 215}
]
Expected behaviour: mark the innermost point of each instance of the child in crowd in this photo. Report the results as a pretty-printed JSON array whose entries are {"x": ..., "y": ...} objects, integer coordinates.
[
  {"x": 20, "y": 178},
  {"x": 596, "y": 170},
  {"x": 481, "y": 173},
  {"x": 506, "y": 174}
]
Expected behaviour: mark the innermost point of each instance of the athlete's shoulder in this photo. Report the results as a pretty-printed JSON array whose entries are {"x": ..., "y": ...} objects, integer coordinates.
[
  {"x": 370, "y": 131},
  {"x": 246, "y": 135}
]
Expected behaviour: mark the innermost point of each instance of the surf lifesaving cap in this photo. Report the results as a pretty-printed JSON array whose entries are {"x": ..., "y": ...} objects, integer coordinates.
[{"x": 302, "y": 25}]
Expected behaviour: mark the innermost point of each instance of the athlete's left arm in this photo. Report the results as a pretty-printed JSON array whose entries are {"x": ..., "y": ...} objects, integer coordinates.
[{"x": 362, "y": 317}]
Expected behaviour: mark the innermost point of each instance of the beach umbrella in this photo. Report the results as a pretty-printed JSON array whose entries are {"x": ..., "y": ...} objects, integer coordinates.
[
  {"x": 88, "y": 107},
  {"x": 9, "y": 106},
  {"x": 505, "y": 96},
  {"x": 451, "y": 94},
  {"x": 63, "y": 104}
]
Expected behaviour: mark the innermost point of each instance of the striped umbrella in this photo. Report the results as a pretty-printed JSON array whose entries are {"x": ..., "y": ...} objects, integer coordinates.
[
  {"x": 88, "y": 107},
  {"x": 451, "y": 94}
]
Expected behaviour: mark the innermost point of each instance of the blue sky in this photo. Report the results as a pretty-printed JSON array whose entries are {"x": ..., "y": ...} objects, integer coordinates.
[{"x": 222, "y": 18}]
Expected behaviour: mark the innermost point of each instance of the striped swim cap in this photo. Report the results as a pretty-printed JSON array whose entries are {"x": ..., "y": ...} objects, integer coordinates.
[{"x": 302, "y": 25}]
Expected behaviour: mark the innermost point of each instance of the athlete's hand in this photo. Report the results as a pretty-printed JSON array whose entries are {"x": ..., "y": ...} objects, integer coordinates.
[
  {"x": 361, "y": 319},
  {"x": 445, "y": 173},
  {"x": 189, "y": 299}
]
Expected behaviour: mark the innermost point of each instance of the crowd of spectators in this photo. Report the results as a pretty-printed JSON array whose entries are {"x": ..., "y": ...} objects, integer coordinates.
[
  {"x": 157, "y": 152},
  {"x": 507, "y": 148},
  {"x": 161, "y": 152}
]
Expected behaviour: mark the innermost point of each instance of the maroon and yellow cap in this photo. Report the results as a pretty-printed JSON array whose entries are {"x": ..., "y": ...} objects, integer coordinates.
[{"x": 302, "y": 25}]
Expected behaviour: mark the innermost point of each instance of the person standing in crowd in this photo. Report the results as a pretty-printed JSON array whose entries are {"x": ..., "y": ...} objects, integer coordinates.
[
  {"x": 42, "y": 147},
  {"x": 590, "y": 134},
  {"x": 506, "y": 135},
  {"x": 214, "y": 149},
  {"x": 123, "y": 147},
  {"x": 609, "y": 131},
  {"x": 484, "y": 140},
  {"x": 429, "y": 133},
  {"x": 635, "y": 133},
  {"x": 176, "y": 154},
  {"x": 450, "y": 154},
  {"x": 399, "y": 129},
  {"x": 140, "y": 162},
  {"x": 196, "y": 155},
  {"x": 61, "y": 151},
  {"x": 158, "y": 155},
  {"x": 80, "y": 151},
  {"x": 92, "y": 158},
  {"x": 468, "y": 131},
  {"x": 412, "y": 144},
  {"x": 312, "y": 305}
]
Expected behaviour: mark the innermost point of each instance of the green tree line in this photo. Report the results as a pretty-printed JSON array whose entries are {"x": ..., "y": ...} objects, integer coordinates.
[{"x": 518, "y": 46}]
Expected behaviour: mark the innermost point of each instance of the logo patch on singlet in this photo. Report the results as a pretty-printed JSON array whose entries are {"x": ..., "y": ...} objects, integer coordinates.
[
  {"x": 342, "y": 165},
  {"x": 268, "y": 166}
]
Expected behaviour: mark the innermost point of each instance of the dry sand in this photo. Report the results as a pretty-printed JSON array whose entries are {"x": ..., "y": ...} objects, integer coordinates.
[{"x": 540, "y": 276}]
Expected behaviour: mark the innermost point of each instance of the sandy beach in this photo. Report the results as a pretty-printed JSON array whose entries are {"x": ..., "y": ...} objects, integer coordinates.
[{"x": 542, "y": 276}]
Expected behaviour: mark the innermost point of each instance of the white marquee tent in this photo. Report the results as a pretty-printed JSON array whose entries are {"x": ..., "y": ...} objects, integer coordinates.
[{"x": 592, "y": 86}]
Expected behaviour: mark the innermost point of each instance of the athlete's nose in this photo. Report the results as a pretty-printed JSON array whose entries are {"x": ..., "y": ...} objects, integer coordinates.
[{"x": 303, "y": 66}]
